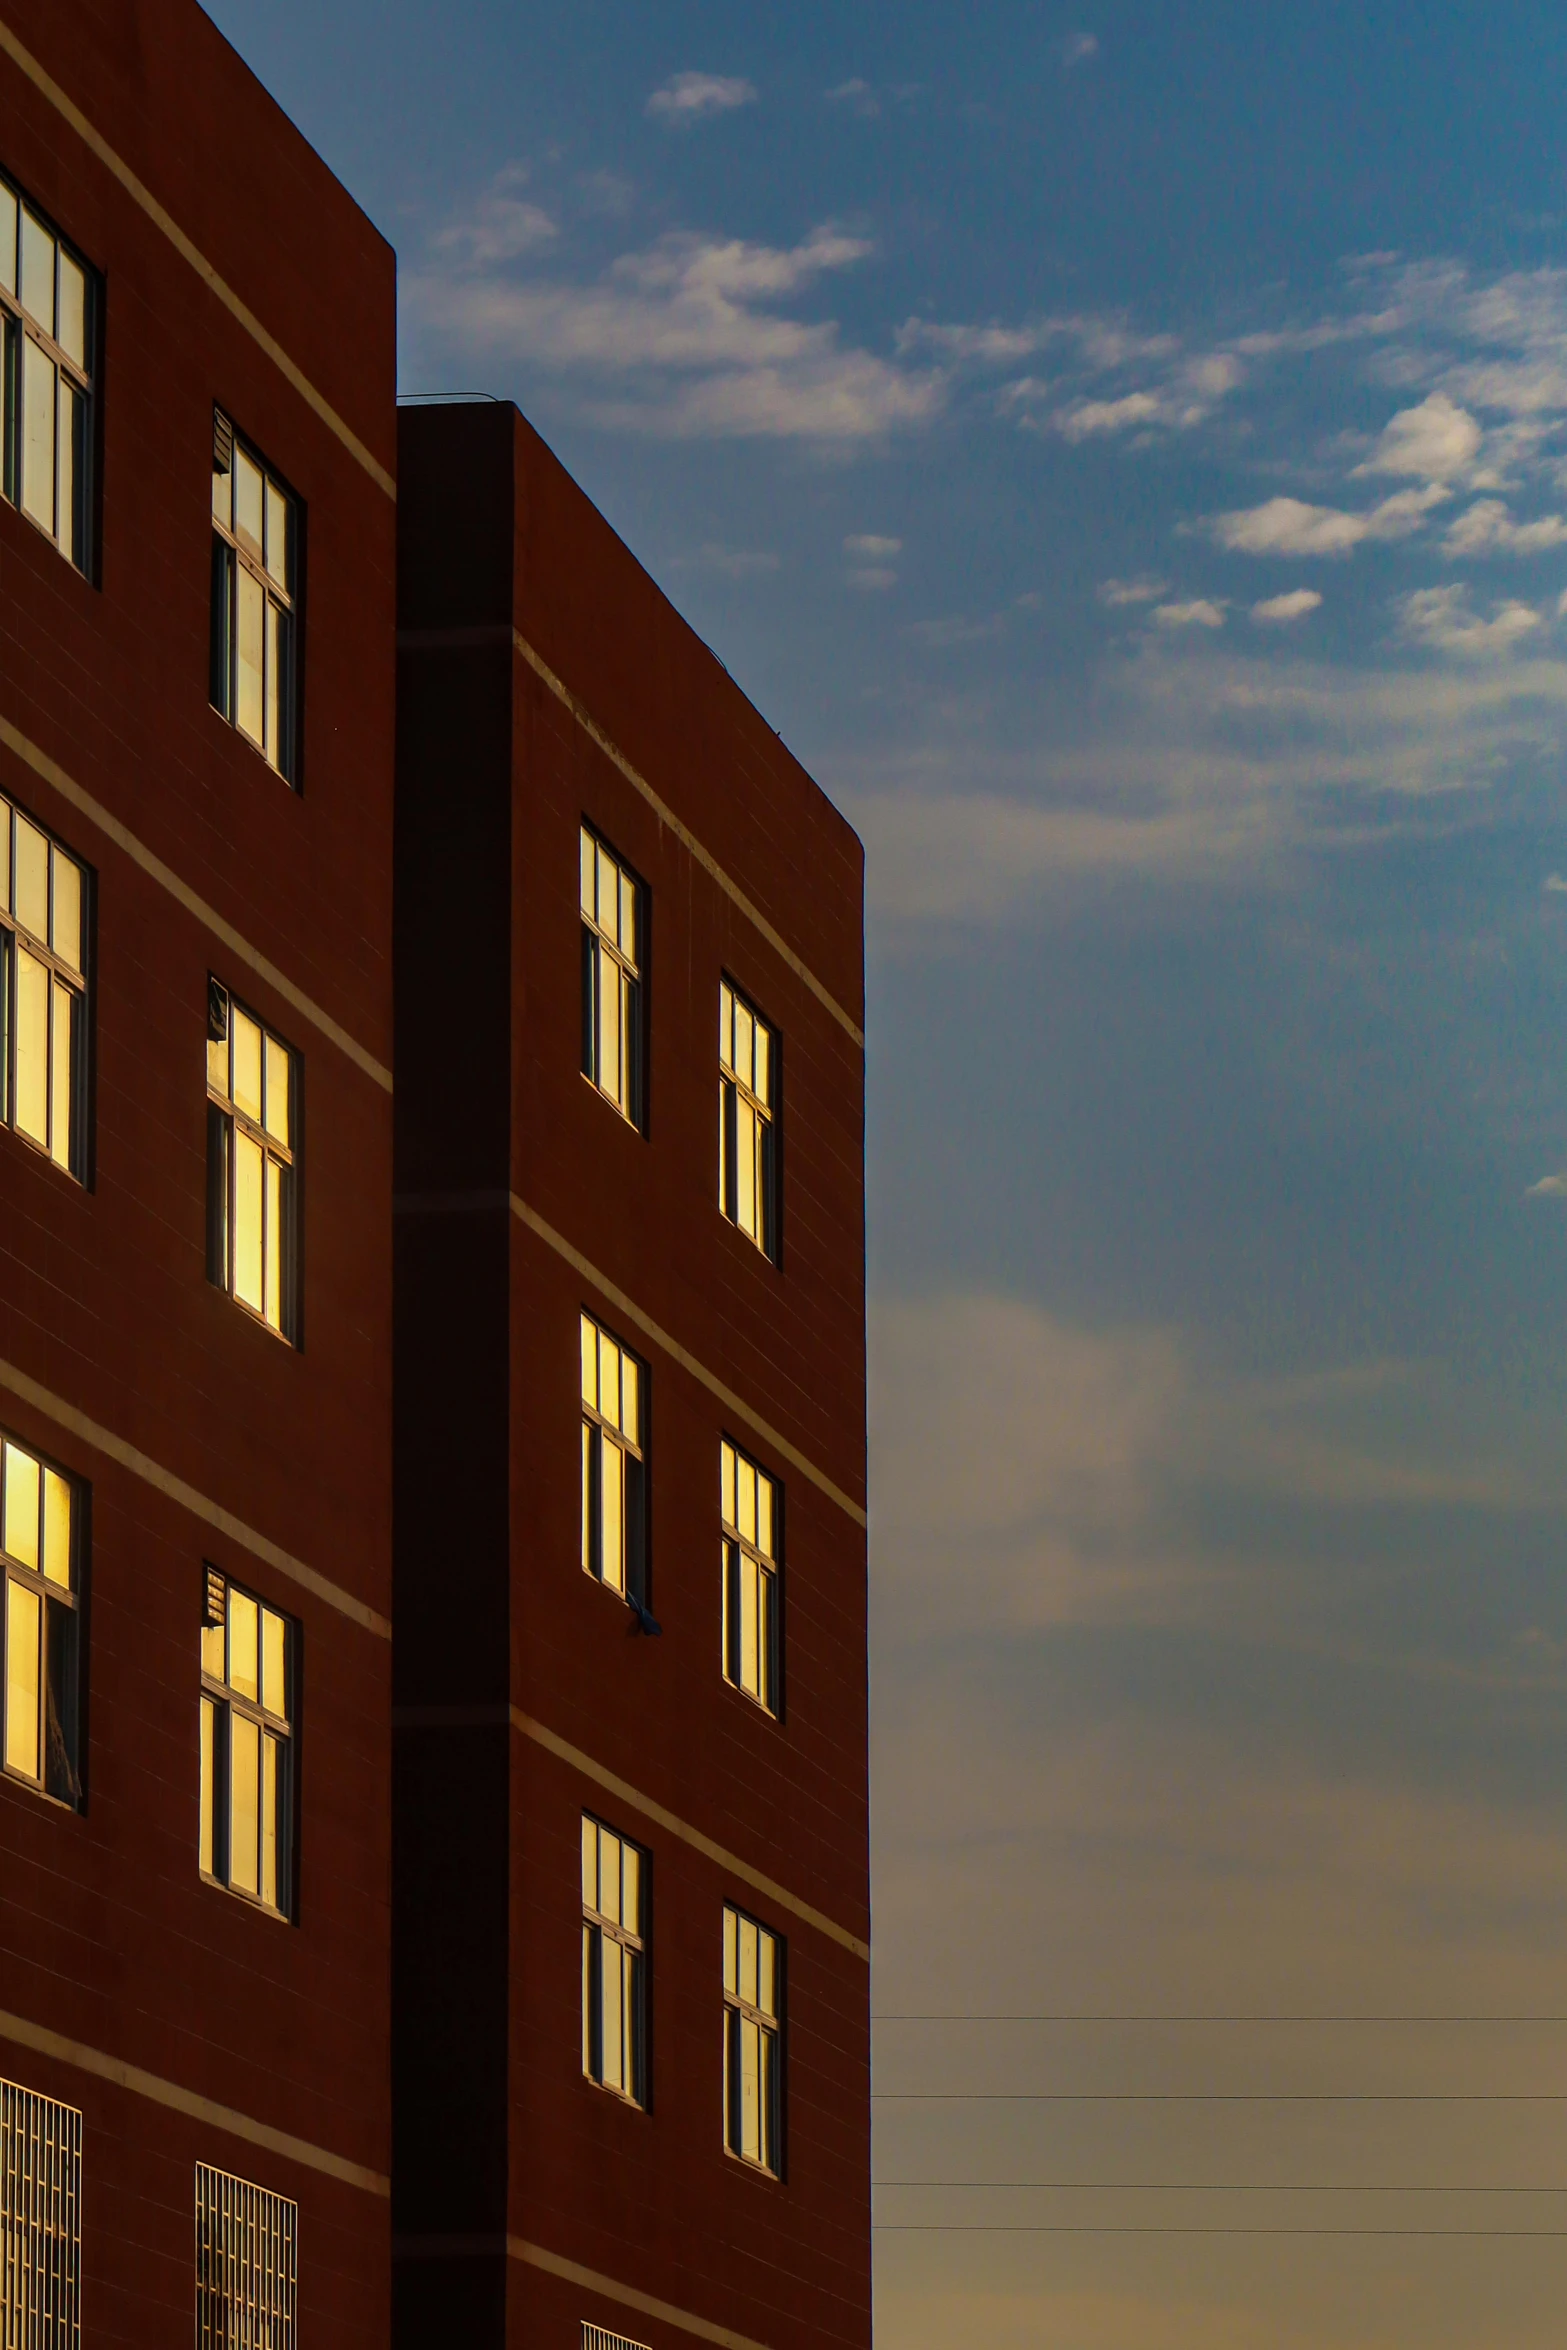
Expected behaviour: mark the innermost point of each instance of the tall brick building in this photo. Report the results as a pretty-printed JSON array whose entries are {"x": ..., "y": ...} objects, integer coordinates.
[{"x": 503, "y": 1978}]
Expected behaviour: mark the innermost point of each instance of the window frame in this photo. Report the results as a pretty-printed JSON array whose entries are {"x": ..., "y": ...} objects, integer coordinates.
[
  {"x": 223, "y": 1701},
  {"x": 20, "y": 326},
  {"x": 735, "y": 1091},
  {"x": 739, "y": 2012},
  {"x": 231, "y": 556},
  {"x": 598, "y": 1927},
  {"x": 226, "y": 1120},
  {"x": 600, "y": 946},
  {"x": 59, "y": 1677},
  {"x": 737, "y": 1549},
  {"x": 598, "y": 1432},
  {"x": 18, "y": 937},
  {"x": 41, "y": 2154}
]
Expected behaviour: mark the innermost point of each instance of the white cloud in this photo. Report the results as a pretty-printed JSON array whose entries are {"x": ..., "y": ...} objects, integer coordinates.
[
  {"x": 1442, "y": 618},
  {"x": 1116, "y": 592},
  {"x": 502, "y": 226},
  {"x": 687, "y": 98},
  {"x": 857, "y": 95},
  {"x": 1432, "y": 442},
  {"x": 873, "y": 548},
  {"x": 1487, "y": 528},
  {"x": 1078, "y": 48},
  {"x": 688, "y": 338},
  {"x": 1556, "y": 884},
  {"x": 1548, "y": 1187},
  {"x": 1292, "y": 606},
  {"x": 1289, "y": 526},
  {"x": 1201, "y": 612},
  {"x": 1086, "y": 418}
]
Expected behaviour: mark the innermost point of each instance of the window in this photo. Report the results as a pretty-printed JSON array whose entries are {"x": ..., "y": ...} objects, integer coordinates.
[
  {"x": 47, "y": 321},
  {"x": 611, "y": 978},
  {"x": 750, "y": 1509},
  {"x": 43, "y": 990},
  {"x": 252, "y": 1163},
  {"x": 255, "y": 562},
  {"x": 747, "y": 1127},
  {"x": 614, "y": 1506},
  {"x": 247, "y": 1744},
  {"x": 40, "y": 2221},
  {"x": 753, "y": 2008},
  {"x": 600, "y": 2338},
  {"x": 614, "y": 1962},
  {"x": 247, "y": 2265},
  {"x": 41, "y": 1538}
]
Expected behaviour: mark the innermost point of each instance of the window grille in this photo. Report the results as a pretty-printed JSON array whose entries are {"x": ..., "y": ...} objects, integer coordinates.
[
  {"x": 48, "y": 306},
  {"x": 614, "y": 1412},
  {"x": 612, "y": 928},
  {"x": 40, "y": 2221},
  {"x": 747, "y": 1120},
  {"x": 614, "y": 1961},
  {"x": 750, "y": 1507},
  {"x": 40, "y": 1541},
  {"x": 248, "y": 1672},
  {"x": 252, "y": 1163},
  {"x": 255, "y": 560},
  {"x": 246, "y": 2265},
  {"x": 753, "y": 2048},
  {"x": 43, "y": 990},
  {"x": 599, "y": 2338}
]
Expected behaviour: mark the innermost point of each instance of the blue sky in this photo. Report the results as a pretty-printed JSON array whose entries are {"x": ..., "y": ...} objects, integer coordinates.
[{"x": 1125, "y": 452}]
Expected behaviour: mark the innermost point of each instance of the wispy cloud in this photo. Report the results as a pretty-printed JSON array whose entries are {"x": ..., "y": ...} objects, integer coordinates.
[
  {"x": 1487, "y": 528},
  {"x": 688, "y": 98},
  {"x": 1290, "y": 526},
  {"x": 1443, "y": 618},
  {"x": 1200, "y": 612},
  {"x": 501, "y": 226},
  {"x": 689, "y": 336},
  {"x": 872, "y": 560},
  {"x": 1118, "y": 592},
  {"x": 1293, "y": 605},
  {"x": 1078, "y": 48}
]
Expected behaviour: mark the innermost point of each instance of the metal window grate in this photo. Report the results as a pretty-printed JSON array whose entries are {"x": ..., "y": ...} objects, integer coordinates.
[
  {"x": 40, "y": 2221},
  {"x": 246, "y": 2265},
  {"x": 596, "y": 2338}
]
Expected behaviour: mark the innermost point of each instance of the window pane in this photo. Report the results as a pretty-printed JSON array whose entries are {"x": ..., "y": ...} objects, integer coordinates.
[
  {"x": 5, "y": 854},
  {"x": 244, "y": 1646},
  {"x": 743, "y": 1030},
  {"x": 7, "y": 239},
  {"x": 32, "y": 1047},
  {"x": 247, "y": 1065},
  {"x": 589, "y": 1945},
  {"x": 21, "y": 1505},
  {"x": 204, "y": 1828},
  {"x": 726, "y": 1483},
  {"x": 747, "y": 1961},
  {"x": 726, "y": 1022},
  {"x": 251, "y": 634},
  {"x": 609, "y": 1027},
  {"x": 609, "y": 1876},
  {"x": 274, "y": 1664},
  {"x": 745, "y": 1499},
  {"x": 247, "y": 1220},
  {"x": 623, "y": 1036},
  {"x": 590, "y": 1362},
  {"x": 761, "y": 1084},
  {"x": 590, "y": 1864},
  {"x": 764, "y": 1515},
  {"x": 745, "y": 1169},
  {"x": 609, "y": 1379},
  {"x": 612, "y": 1514},
  {"x": 31, "y": 902},
  {"x": 750, "y": 2090},
  {"x": 631, "y": 1888},
  {"x": 71, "y": 333},
  {"x": 273, "y": 1308},
  {"x": 611, "y": 2014},
  {"x": 247, "y": 502},
  {"x": 750, "y": 1677},
  {"x": 57, "y": 1529},
  {"x": 21, "y": 1678},
  {"x": 630, "y": 1399},
  {"x": 38, "y": 435},
  {"x": 66, "y": 933},
  {"x": 223, "y": 497},
  {"x": 586, "y": 878},
  {"x": 60, "y": 1092},
  {"x": 269, "y": 1802},
  {"x": 731, "y": 1977},
  {"x": 588, "y": 1440},
  {"x": 38, "y": 271},
  {"x": 213, "y": 1642},
  {"x": 628, "y": 918},
  {"x": 244, "y": 1800},
  {"x": 65, "y": 507},
  {"x": 272, "y": 735},
  {"x": 767, "y": 1960},
  {"x": 276, "y": 1069},
  {"x": 277, "y": 536},
  {"x": 608, "y": 893}
]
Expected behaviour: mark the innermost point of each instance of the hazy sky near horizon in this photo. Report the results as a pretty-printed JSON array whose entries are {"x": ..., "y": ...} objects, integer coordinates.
[{"x": 1125, "y": 452}]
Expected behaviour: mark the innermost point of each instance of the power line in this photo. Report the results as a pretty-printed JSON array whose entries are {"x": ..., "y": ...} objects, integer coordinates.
[
  {"x": 1108, "y": 2018},
  {"x": 1067, "y": 2228},
  {"x": 1219, "y": 2096},
  {"x": 1197, "y": 2187}
]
